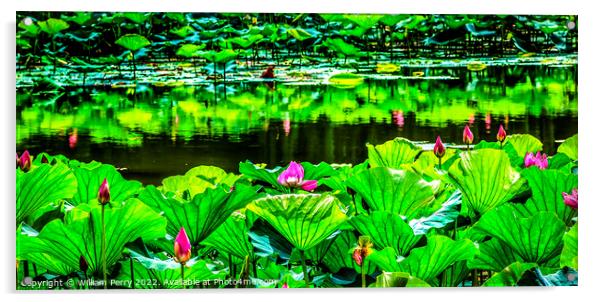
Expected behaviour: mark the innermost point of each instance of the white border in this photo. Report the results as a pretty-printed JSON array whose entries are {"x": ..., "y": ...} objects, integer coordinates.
[{"x": 589, "y": 115}]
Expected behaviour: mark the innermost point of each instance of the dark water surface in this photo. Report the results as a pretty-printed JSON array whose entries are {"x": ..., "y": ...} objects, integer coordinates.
[{"x": 155, "y": 132}]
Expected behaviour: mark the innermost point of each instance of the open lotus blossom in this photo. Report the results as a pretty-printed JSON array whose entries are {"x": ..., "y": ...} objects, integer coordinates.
[
  {"x": 293, "y": 176},
  {"x": 439, "y": 149},
  {"x": 25, "y": 161},
  {"x": 501, "y": 134},
  {"x": 362, "y": 250},
  {"x": 104, "y": 194},
  {"x": 539, "y": 160},
  {"x": 570, "y": 200},
  {"x": 182, "y": 249},
  {"x": 467, "y": 135}
]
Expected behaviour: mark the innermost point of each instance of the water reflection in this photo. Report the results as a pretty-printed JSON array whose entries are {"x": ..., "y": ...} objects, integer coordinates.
[{"x": 169, "y": 130}]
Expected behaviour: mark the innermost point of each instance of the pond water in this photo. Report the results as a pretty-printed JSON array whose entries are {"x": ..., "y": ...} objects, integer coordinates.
[{"x": 154, "y": 132}]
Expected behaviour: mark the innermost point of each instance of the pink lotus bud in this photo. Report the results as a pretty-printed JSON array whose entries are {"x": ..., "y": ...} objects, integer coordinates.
[
  {"x": 285, "y": 285},
  {"x": 182, "y": 249},
  {"x": 439, "y": 149},
  {"x": 571, "y": 200},
  {"x": 501, "y": 134},
  {"x": 104, "y": 194},
  {"x": 357, "y": 257},
  {"x": 362, "y": 250},
  {"x": 25, "y": 161},
  {"x": 467, "y": 136}
]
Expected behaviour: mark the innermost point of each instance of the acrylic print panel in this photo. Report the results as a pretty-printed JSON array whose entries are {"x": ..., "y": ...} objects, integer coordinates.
[{"x": 197, "y": 150}]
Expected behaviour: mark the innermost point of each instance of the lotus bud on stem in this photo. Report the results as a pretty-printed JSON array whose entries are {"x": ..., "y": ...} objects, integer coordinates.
[
  {"x": 467, "y": 137},
  {"x": 501, "y": 136},
  {"x": 104, "y": 197},
  {"x": 439, "y": 150},
  {"x": 182, "y": 251},
  {"x": 361, "y": 251}
]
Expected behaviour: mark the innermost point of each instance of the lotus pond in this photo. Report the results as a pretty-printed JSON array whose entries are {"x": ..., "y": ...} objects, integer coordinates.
[{"x": 363, "y": 163}]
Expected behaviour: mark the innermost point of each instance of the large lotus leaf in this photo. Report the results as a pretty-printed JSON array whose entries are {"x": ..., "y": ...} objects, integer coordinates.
[
  {"x": 516, "y": 160},
  {"x": 197, "y": 180},
  {"x": 53, "y": 26},
  {"x": 338, "y": 255},
  {"x": 524, "y": 143},
  {"x": 316, "y": 172},
  {"x": 153, "y": 273},
  {"x": 89, "y": 180},
  {"x": 494, "y": 255},
  {"x": 203, "y": 214},
  {"x": 303, "y": 219},
  {"x": 255, "y": 172},
  {"x": 547, "y": 187},
  {"x": 570, "y": 147},
  {"x": 341, "y": 47},
  {"x": 393, "y": 154},
  {"x": 246, "y": 41},
  {"x": 299, "y": 33},
  {"x": 41, "y": 186},
  {"x": 510, "y": 275},
  {"x": 454, "y": 275},
  {"x": 189, "y": 50},
  {"x": 398, "y": 279},
  {"x": 223, "y": 56},
  {"x": 137, "y": 17},
  {"x": 427, "y": 262},
  {"x": 26, "y": 250},
  {"x": 133, "y": 42},
  {"x": 399, "y": 192},
  {"x": 569, "y": 255},
  {"x": 386, "y": 230},
  {"x": 363, "y": 20},
  {"x": 267, "y": 241},
  {"x": 448, "y": 213},
  {"x": 80, "y": 234},
  {"x": 232, "y": 237},
  {"x": 485, "y": 178},
  {"x": 537, "y": 238}
]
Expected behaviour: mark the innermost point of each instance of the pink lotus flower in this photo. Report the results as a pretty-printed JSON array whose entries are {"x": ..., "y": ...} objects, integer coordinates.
[
  {"x": 182, "y": 249},
  {"x": 292, "y": 177},
  {"x": 25, "y": 161},
  {"x": 285, "y": 285},
  {"x": 104, "y": 194},
  {"x": 467, "y": 136},
  {"x": 439, "y": 149},
  {"x": 570, "y": 200},
  {"x": 540, "y": 160},
  {"x": 501, "y": 134}
]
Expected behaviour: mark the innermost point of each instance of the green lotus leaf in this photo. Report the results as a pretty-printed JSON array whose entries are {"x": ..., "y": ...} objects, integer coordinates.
[
  {"x": 133, "y": 42},
  {"x": 166, "y": 273},
  {"x": 570, "y": 147},
  {"x": 223, "y": 56},
  {"x": 338, "y": 255},
  {"x": 516, "y": 160},
  {"x": 299, "y": 34},
  {"x": 189, "y": 50},
  {"x": 363, "y": 20},
  {"x": 427, "y": 262},
  {"x": 341, "y": 47},
  {"x": 41, "y": 186},
  {"x": 445, "y": 215},
  {"x": 202, "y": 215},
  {"x": 53, "y": 26},
  {"x": 547, "y": 187},
  {"x": 197, "y": 180},
  {"x": 183, "y": 31},
  {"x": 536, "y": 238},
  {"x": 316, "y": 172},
  {"x": 569, "y": 255},
  {"x": 386, "y": 230},
  {"x": 400, "y": 192},
  {"x": 494, "y": 255},
  {"x": 303, "y": 219},
  {"x": 232, "y": 237},
  {"x": 254, "y": 172},
  {"x": 486, "y": 180},
  {"x": 524, "y": 143},
  {"x": 393, "y": 153},
  {"x": 398, "y": 279},
  {"x": 137, "y": 17},
  {"x": 80, "y": 234},
  {"x": 89, "y": 181},
  {"x": 26, "y": 250},
  {"x": 246, "y": 41},
  {"x": 510, "y": 275}
]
